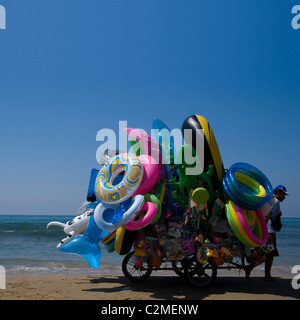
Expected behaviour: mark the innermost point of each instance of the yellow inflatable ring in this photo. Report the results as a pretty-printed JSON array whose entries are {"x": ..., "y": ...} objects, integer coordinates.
[
  {"x": 239, "y": 226},
  {"x": 253, "y": 185},
  {"x": 133, "y": 174},
  {"x": 244, "y": 231}
]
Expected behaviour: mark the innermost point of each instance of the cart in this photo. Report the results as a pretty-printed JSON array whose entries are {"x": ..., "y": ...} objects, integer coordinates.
[
  {"x": 196, "y": 273},
  {"x": 199, "y": 267},
  {"x": 202, "y": 234}
]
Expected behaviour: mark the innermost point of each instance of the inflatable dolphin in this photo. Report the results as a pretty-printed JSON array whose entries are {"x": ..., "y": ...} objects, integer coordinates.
[{"x": 87, "y": 245}]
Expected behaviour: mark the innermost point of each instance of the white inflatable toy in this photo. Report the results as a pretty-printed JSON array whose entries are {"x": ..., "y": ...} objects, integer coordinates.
[{"x": 73, "y": 227}]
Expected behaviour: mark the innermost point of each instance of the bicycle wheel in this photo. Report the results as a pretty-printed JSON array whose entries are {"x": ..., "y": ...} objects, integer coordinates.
[
  {"x": 134, "y": 270},
  {"x": 180, "y": 270},
  {"x": 199, "y": 275}
]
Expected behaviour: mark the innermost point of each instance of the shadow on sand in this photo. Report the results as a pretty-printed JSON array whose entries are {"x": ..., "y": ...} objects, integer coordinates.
[{"x": 223, "y": 288}]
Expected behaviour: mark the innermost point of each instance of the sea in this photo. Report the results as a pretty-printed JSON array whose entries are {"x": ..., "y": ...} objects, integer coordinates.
[{"x": 28, "y": 248}]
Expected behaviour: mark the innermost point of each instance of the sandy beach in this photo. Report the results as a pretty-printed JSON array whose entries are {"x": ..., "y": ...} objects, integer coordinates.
[{"x": 157, "y": 287}]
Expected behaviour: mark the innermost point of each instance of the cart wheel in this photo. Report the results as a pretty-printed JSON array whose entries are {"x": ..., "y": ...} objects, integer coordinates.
[
  {"x": 133, "y": 270},
  {"x": 179, "y": 266},
  {"x": 200, "y": 275}
]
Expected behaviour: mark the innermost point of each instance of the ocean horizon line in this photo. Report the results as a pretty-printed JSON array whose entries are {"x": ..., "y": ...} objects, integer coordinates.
[{"x": 73, "y": 215}]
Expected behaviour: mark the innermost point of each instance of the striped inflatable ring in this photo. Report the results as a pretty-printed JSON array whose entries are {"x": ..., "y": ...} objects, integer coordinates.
[
  {"x": 133, "y": 174},
  {"x": 237, "y": 219},
  {"x": 247, "y": 186}
]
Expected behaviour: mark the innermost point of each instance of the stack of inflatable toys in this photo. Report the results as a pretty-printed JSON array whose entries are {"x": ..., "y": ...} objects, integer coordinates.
[{"x": 154, "y": 199}]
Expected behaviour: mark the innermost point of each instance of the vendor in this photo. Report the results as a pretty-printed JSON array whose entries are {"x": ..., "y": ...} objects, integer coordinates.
[{"x": 273, "y": 219}]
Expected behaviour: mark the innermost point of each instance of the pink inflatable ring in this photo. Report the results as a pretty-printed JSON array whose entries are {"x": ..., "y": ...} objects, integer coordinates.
[{"x": 150, "y": 209}]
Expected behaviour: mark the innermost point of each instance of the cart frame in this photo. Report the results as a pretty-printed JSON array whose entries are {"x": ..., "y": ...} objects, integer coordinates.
[{"x": 196, "y": 273}]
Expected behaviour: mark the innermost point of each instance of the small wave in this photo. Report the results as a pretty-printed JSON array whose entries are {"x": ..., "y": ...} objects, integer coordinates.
[
  {"x": 277, "y": 270},
  {"x": 63, "y": 269}
]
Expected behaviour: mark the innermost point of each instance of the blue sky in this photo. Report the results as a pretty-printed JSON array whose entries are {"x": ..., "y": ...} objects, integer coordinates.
[{"x": 70, "y": 68}]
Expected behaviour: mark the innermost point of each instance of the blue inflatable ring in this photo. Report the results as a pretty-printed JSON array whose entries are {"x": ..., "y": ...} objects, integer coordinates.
[
  {"x": 247, "y": 197},
  {"x": 110, "y": 216}
]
